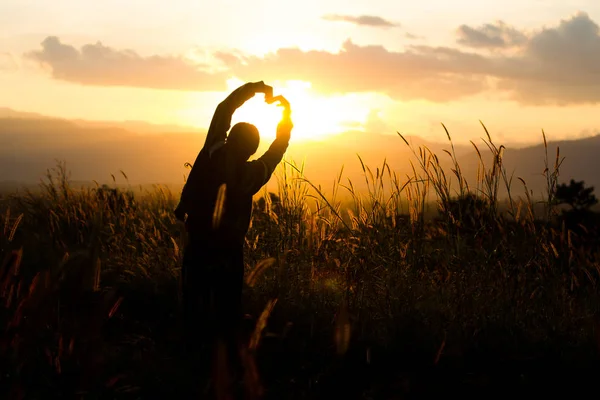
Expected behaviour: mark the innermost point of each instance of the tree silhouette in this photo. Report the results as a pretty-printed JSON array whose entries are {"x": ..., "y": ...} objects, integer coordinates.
[{"x": 576, "y": 195}]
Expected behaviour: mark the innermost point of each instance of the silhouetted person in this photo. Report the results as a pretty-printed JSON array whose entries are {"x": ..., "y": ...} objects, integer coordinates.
[{"x": 216, "y": 205}]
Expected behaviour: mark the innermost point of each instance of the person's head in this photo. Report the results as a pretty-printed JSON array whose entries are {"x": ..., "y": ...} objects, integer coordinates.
[{"x": 243, "y": 140}]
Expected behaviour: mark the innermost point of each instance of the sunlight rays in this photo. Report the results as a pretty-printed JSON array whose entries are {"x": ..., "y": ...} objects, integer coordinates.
[{"x": 314, "y": 116}]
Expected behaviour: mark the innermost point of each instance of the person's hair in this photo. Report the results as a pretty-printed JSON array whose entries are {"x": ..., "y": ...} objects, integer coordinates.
[{"x": 243, "y": 139}]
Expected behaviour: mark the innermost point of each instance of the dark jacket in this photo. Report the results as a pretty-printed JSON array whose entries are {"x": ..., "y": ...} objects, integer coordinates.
[{"x": 223, "y": 219}]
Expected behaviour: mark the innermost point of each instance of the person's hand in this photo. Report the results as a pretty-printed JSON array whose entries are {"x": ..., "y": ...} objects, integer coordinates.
[
  {"x": 283, "y": 102},
  {"x": 261, "y": 87},
  {"x": 284, "y": 128},
  {"x": 244, "y": 93}
]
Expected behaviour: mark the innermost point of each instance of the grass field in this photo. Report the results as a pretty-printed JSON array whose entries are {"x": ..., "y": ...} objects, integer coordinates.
[{"x": 369, "y": 300}]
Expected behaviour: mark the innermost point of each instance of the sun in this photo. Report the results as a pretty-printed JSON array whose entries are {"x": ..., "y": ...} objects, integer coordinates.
[{"x": 314, "y": 117}]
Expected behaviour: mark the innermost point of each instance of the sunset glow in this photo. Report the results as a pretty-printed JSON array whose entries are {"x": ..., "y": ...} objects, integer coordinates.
[
  {"x": 428, "y": 209},
  {"x": 377, "y": 67},
  {"x": 315, "y": 116}
]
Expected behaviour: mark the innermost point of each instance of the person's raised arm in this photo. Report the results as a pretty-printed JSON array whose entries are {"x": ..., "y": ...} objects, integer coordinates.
[
  {"x": 259, "y": 172},
  {"x": 221, "y": 121},
  {"x": 217, "y": 133}
]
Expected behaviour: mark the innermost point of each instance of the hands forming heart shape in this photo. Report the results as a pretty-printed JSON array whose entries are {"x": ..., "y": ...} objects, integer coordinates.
[
  {"x": 283, "y": 102},
  {"x": 270, "y": 99},
  {"x": 285, "y": 126}
]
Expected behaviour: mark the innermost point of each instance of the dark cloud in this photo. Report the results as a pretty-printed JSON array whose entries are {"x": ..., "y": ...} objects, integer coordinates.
[
  {"x": 497, "y": 35},
  {"x": 554, "y": 65},
  {"x": 365, "y": 20},
  {"x": 558, "y": 65},
  {"x": 437, "y": 74},
  {"x": 96, "y": 64}
]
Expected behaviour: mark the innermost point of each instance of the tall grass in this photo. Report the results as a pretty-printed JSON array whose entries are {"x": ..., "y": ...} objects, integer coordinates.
[{"x": 480, "y": 276}]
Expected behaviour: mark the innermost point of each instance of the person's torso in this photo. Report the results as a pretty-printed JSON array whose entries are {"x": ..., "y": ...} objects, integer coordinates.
[{"x": 217, "y": 213}]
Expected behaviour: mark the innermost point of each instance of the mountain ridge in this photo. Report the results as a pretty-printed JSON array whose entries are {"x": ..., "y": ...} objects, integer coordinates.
[{"x": 93, "y": 150}]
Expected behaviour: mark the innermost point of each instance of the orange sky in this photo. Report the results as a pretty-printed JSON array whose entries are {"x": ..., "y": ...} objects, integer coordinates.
[{"x": 374, "y": 66}]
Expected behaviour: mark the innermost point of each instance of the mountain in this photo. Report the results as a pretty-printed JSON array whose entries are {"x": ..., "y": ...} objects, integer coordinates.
[
  {"x": 141, "y": 127},
  {"x": 10, "y": 113},
  {"x": 580, "y": 161},
  {"x": 31, "y": 143}
]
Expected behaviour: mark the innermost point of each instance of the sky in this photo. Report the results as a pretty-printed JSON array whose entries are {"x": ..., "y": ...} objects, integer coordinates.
[{"x": 382, "y": 66}]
